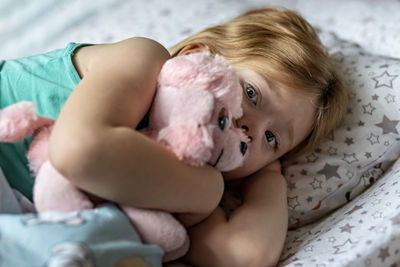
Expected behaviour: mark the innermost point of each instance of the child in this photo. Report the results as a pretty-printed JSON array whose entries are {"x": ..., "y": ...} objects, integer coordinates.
[{"x": 292, "y": 99}]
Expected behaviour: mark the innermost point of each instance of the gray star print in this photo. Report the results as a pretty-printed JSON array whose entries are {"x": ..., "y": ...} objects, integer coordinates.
[
  {"x": 346, "y": 246},
  {"x": 383, "y": 253},
  {"x": 316, "y": 183},
  {"x": 388, "y": 126},
  {"x": 293, "y": 202},
  {"x": 349, "y": 141},
  {"x": 373, "y": 139},
  {"x": 329, "y": 171},
  {"x": 390, "y": 98},
  {"x": 396, "y": 219},
  {"x": 368, "y": 109},
  {"x": 346, "y": 228},
  {"x": 385, "y": 79},
  {"x": 350, "y": 158}
]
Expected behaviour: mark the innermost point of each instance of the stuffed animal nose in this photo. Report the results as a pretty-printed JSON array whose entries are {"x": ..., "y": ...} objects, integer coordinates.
[
  {"x": 246, "y": 130},
  {"x": 243, "y": 148}
]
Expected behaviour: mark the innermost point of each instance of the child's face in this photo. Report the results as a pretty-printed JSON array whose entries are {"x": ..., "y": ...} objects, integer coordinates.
[{"x": 275, "y": 118}]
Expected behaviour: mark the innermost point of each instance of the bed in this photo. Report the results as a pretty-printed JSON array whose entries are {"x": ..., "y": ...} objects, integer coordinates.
[{"x": 344, "y": 197}]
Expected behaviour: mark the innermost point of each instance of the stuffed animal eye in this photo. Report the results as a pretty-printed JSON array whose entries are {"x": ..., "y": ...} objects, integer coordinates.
[{"x": 222, "y": 119}]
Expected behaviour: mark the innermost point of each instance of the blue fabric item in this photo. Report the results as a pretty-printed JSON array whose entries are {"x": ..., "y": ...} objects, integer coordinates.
[{"x": 99, "y": 237}]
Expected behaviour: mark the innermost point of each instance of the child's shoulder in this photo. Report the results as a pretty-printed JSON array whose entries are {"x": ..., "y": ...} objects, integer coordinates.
[{"x": 128, "y": 52}]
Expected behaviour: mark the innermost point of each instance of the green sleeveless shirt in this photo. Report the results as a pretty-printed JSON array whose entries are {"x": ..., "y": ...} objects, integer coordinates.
[{"x": 47, "y": 80}]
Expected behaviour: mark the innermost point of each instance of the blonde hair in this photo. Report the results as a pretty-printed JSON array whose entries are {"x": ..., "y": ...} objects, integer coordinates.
[{"x": 293, "y": 56}]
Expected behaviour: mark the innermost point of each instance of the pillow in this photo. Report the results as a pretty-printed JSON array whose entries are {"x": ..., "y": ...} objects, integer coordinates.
[{"x": 364, "y": 145}]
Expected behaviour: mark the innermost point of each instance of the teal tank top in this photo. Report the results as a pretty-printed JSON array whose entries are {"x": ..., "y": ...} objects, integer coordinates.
[{"x": 47, "y": 80}]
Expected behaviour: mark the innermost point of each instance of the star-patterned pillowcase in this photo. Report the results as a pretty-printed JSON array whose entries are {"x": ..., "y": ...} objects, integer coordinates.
[{"x": 365, "y": 144}]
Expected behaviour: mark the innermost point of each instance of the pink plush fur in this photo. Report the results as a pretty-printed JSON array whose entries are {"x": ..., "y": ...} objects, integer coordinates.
[
  {"x": 192, "y": 91},
  {"x": 197, "y": 98},
  {"x": 19, "y": 121}
]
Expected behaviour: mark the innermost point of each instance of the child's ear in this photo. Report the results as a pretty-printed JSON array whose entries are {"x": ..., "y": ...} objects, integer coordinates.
[{"x": 193, "y": 48}]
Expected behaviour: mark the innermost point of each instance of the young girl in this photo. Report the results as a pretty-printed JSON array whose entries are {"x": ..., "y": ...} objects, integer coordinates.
[{"x": 292, "y": 99}]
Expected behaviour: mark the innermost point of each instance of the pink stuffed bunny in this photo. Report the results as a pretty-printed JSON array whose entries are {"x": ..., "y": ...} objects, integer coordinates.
[{"x": 197, "y": 98}]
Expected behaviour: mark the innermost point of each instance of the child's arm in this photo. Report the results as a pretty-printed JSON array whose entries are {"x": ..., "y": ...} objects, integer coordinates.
[
  {"x": 254, "y": 234},
  {"x": 94, "y": 143}
]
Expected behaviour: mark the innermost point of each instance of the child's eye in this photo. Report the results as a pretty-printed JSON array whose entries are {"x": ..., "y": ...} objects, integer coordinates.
[
  {"x": 251, "y": 93},
  {"x": 271, "y": 139}
]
